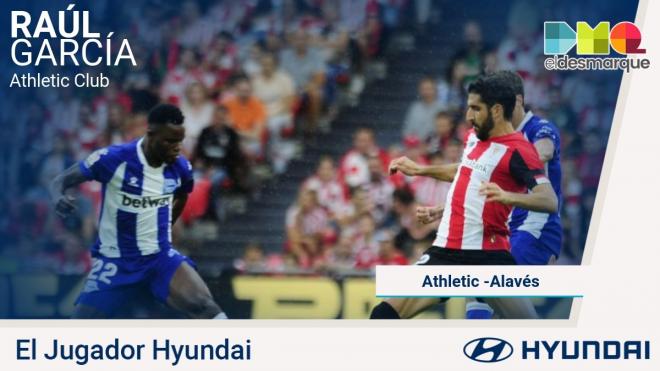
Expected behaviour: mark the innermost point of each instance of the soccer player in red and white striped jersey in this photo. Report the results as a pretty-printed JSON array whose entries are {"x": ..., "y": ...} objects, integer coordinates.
[{"x": 498, "y": 168}]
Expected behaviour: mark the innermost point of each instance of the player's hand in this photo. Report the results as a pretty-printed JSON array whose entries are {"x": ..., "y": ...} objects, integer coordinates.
[
  {"x": 494, "y": 193},
  {"x": 65, "y": 206},
  {"x": 404, "y": 165},
  {"x": 427, "y": 215}
]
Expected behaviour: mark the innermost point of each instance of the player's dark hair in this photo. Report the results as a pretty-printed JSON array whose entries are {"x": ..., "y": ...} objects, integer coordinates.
[
  {"x": 514, "y": 79},
  {"x": 165, "y": 114},
  {"x": 495, "y": 89}
]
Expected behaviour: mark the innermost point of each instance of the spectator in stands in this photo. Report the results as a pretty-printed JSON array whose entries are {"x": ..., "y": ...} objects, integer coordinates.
[
  {"x": 451, "y": 89},
  {"x": 116, "y": 125},
  {"x": 140, "y": 81},
  {"x": 421, "y": 113},
  {"x": 197, "y": 109},
  {"x": 325, "y": 183},
  {"x": 248, "y": 116},
  {"x": 65, "y": 113},
  {"x": 218, "y": 151},
  {"x": 306, "y": 223},
  {"x": 415, "y": 150},
  {"x": 181, "y": 76},
  {"x": 354, "y": 169},
  {"x": 473, "y": 51},
  {"x": 380, "y": 190},
  {"x": 224, "y": 55},
  {"x": 445, "y": 131},
  {"x": 275, "y": 89},
  {"x": 365, "y": 245},
  {"x": 388, "y": 253},
  {"x": 253, "y": 259},
  {"x": 196, "y": 31},
  {"x": 412, "y": 231},
  {"x": 340, "y": 258},
  {"x": 306, "y": 67},
  {"x": 111, "y": 95},
  {"x": 520, "y": 50},
  {"x": 453, "y": 152},
  {"x": 429, "y": 191},
  {"x": 359, "y": 204}
]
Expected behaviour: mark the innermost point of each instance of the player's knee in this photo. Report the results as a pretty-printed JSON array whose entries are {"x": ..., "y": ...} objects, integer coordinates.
[
  {"x": 201, "y": 306},
  {"x": 384, "y": 311}
]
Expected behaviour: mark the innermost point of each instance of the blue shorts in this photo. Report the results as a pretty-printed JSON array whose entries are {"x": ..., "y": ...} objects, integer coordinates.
[
  {"x": 113, "y": 282},
  {"x": 528, "y": 250}
]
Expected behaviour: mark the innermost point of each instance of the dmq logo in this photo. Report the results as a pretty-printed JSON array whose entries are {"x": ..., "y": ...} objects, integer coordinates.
[
  {"x": 488, "y": 350},
  {"x": 559, "y": 38}
]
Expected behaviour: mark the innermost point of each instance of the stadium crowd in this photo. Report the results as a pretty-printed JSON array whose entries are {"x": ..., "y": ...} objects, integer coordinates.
[{"x": 256, "y": 80}]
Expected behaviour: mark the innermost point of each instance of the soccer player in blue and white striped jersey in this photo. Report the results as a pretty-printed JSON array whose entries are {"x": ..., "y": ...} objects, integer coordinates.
[{"x": 145, "y": 187}]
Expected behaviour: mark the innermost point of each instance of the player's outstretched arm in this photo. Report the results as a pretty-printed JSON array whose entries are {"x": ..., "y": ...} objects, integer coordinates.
[
  {"x": 541, "y": 199},
  {"x": 409, "y": 167},
  {"x": 71, "y": 177}
]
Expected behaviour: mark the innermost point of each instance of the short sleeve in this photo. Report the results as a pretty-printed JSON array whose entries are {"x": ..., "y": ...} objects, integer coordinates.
[
  {"x": 100, "y": 165},
  {"x": 186, "y": 174},
  {"x": 526, "y": 168},
  {"x": 546, "y": 131}
]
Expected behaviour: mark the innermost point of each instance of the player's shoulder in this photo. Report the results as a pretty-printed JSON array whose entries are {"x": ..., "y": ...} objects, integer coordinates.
[
  {"x": 515, "y": 142},
  {"x": 538, "y": 123},
  {"x": 182, "y": 165},
  {"x": 115, "y": 153},
  {"x": 519, "y": 146}
]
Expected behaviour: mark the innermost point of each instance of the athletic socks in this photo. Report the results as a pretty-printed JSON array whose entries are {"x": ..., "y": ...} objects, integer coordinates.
[
  {"x": 220, "y": 315},
  {"x": 478, "y": 310}
]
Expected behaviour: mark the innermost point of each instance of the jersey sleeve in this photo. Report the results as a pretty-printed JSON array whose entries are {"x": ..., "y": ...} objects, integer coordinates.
[
  {"x": 186, "y": 174},
  {"x": 526, "y": 167},
  {"x": 546, "y": 130},
  {"x": 100, "y": 165}
]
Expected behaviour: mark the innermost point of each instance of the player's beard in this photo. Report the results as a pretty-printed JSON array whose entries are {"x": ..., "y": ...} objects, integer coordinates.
[{"x": 483, "y": 130}]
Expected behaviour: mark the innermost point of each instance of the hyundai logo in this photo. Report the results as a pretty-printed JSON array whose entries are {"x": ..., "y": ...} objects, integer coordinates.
[{"x": 488, "y": 350}]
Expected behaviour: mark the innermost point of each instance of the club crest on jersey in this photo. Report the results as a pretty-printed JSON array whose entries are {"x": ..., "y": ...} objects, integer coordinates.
[
  {"x": 170, "y": 185},
  {"x": 133, "y": 181}
]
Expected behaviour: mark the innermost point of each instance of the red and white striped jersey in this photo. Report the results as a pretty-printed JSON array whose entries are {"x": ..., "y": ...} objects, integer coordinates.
[
  {"x": 330, "y": 194},
  {"x": 471, "y": 223}
]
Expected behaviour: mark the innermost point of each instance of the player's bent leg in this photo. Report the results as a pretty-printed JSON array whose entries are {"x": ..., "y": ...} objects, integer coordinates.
[{"x": 189, "y": 294}]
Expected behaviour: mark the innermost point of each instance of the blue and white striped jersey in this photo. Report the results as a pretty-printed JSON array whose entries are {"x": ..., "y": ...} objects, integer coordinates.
[
  {"x": 136, "y": 210},
  {"x": 544, "y": 227}
]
